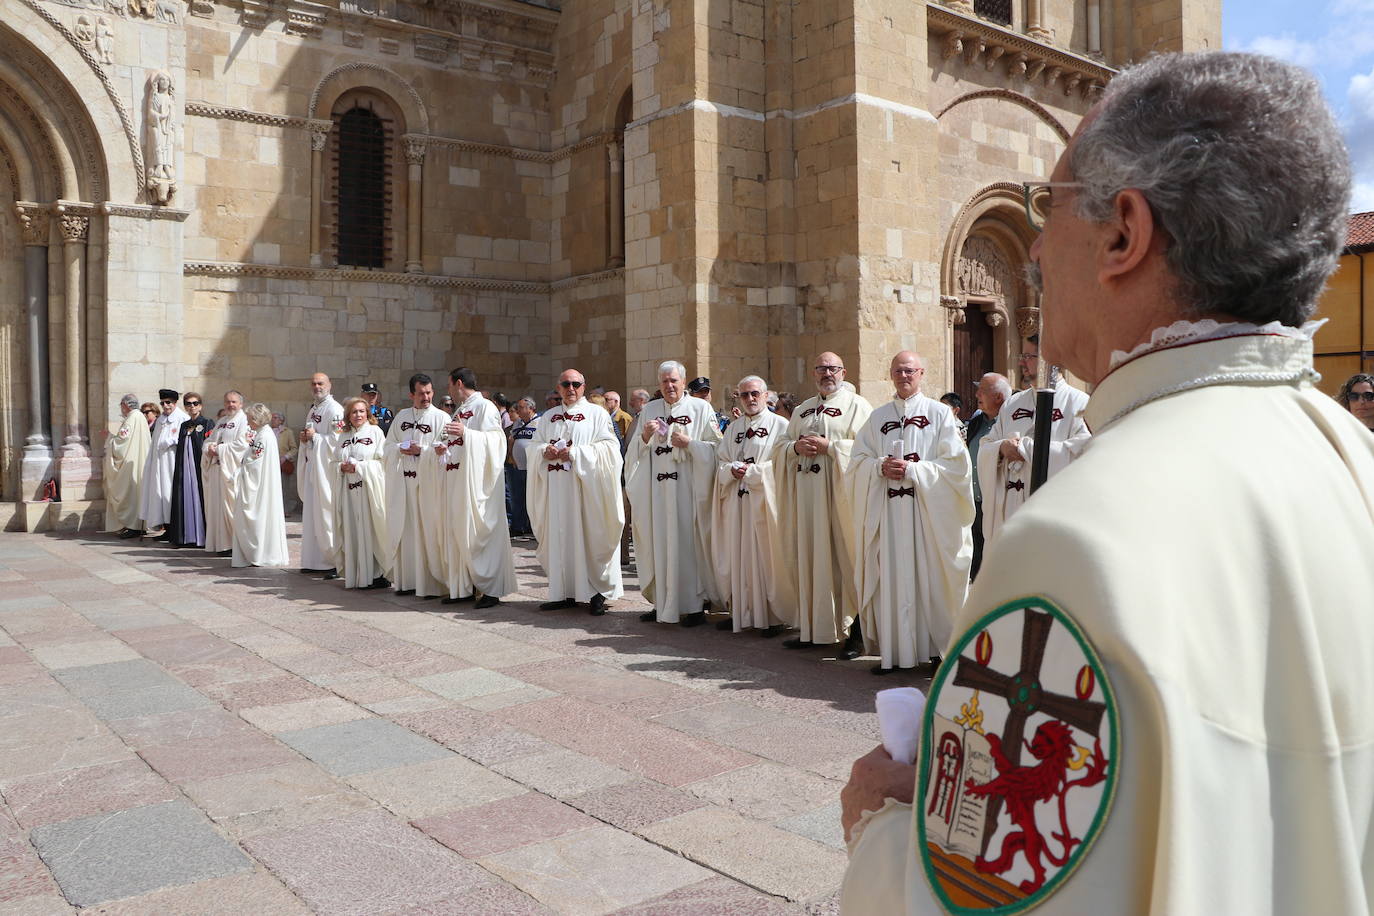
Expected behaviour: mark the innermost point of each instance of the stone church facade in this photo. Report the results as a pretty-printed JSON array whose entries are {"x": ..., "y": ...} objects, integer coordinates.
[{"x": 237, "y": 193}]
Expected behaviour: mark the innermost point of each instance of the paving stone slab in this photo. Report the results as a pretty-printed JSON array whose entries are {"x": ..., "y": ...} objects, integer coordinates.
[
  {"x": 253, "y": 894},
  {"x": 285, "y": 717},
  {"x": 151, "y": 701},
  {"x": 206, "y": 758},
  {"x": 116, "y": 677},
  {"x": 593, "y": 871},
  {"x": 434, "y": 787},
  {"x": 81, "y": 654},
  {"x": 468, "y": 683},
  {"x": 767, "y": 791},
  {"x": 175, "y": 727},
  {"x": 363, "y": 745},
  {"x": 718, "y": 895},
  {"x": 636, "y": 804},
  {"x": 820, "y": 824},
  {"x": 110, "y": 856},
  {"x": 82, "y": 791},
  {"x": 364, "y": 865},
  {"x": 562, "y": 773},
  {"x": 503, "y": 825},
  {"x": 68, "y": 754}
]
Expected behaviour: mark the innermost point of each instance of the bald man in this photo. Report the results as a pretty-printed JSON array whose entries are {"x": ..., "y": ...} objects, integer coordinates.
[
  {"x": 574, "y": 500},
  {"x": 314, "y": 485},
  {"x": 911, "y": 486},
  {"x": 815, "y": 522}
]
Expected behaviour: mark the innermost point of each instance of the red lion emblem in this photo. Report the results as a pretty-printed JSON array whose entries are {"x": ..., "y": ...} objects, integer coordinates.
[{"x": 1021, "y": 787}]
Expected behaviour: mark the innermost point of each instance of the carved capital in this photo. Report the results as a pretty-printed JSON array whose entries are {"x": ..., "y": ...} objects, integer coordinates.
[
  {"x": 33, "y": 224},
  {"x": 415, "y": 146},
  {"x": 75, "y": 228},
  {"x": 319, "y": 133},
  {"x": 994, "y": 318},
  {"x": 954, "y": 310},
  {"x": 613, "y": 154},
  {"x": 1028, "y": 321}
]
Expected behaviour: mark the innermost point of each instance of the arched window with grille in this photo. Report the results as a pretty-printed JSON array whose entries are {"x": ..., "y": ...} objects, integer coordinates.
[{"x": 362, "y": 186}]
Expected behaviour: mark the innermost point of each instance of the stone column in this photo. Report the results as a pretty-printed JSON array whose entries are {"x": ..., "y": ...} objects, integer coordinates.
[
  {"x": 1095, "y": 28},
  {"x": 1035, "y": 20},
  {"x": 319, "y": 137},
  {"x": 37, "y": 461},
  {"x": 74, "y": 233},
  {"x": 616, "y": 217},
  {"x": 415, "y": 164}
]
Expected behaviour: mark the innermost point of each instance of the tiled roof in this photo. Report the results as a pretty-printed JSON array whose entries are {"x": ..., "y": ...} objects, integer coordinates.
[{"x": 1360, "y": 235}]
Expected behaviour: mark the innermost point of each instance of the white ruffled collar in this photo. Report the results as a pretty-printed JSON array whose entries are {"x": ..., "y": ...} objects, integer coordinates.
[{"x": 1181, "y": 332}]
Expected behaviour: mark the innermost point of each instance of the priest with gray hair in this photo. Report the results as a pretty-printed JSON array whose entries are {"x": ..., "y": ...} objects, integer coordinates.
[
  {"x": 669, "y": 469},
  {"x": 126, "y": 453}
]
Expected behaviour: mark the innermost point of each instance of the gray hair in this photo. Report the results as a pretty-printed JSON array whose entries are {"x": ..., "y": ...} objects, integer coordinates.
[
  {"x": 129, "y": 401},
  {"x": 672, "y": 365},
  {"x": 528, "y": 400},
  {"x": 1245, "y": 172},
  {"x": 259, "y": 415},
  {"x": 753, "y": 378},
  {"x": 1000, "y": 385}
]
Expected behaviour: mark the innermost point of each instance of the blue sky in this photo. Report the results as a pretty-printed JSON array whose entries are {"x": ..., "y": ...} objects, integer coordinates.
[{"x": 1335, "y": 38}]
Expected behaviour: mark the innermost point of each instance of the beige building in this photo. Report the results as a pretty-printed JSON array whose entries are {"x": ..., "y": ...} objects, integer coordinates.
[{"x": 221, "y": 193}]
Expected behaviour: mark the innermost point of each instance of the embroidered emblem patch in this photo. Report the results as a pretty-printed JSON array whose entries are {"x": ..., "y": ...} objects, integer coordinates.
[{"x": 1020, "y": 740}]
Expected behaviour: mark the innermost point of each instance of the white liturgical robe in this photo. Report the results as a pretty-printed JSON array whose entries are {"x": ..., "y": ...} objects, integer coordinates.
[
  {"x": 1006, "y": 484},
  {"x": 411, "y": 524},
  {"x": 1226, "y": 591},
  {"x": 315, "y": 485},
  {"x": 126, "y": 454},
  {"x": 575, "y": 506},
  {"x": 155, "y": 497},
  {"x": 473, "y": 548},
  {"x": 670, "y": 495},
  {"x": 815, "y": 518},
  {"x": 259, "y": 533},
  {"x": 359, "y": 505},
  {"x": 219, "y": 472},
  {"x": 744, "y": 519},
  {"x": 914, "y": 540}
]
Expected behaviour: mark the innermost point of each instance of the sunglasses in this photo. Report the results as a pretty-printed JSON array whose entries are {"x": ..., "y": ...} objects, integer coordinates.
[
  {"x": 173, "y": 401},
  {"x": 1362, "y": 395},
  {"x": 569, "y": 384},
  {"x": 193, "y": 403}
]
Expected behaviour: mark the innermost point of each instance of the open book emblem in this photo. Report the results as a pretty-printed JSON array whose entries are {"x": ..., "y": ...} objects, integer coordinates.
[{"x": 1018, "y": 760}]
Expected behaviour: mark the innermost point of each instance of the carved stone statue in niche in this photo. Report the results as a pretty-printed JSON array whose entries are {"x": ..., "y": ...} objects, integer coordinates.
[
  {"x": 85, "y": 32},
  {"x": 160, "y": 136},
  {"x": 104, "y": 41}
]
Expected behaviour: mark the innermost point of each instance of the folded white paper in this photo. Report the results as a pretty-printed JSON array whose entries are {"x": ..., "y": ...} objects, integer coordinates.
[{"x": 899, "y": 721}]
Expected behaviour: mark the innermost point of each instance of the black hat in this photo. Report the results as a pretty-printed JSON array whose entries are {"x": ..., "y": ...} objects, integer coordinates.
[
  {"x": 167, "y": 394},
  {"x": 700, "y": 383},
  {"x": 370, "y": 387}
]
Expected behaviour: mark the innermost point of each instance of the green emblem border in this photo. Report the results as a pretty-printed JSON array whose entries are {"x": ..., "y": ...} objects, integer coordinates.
[{"x": 927, "y": 733}]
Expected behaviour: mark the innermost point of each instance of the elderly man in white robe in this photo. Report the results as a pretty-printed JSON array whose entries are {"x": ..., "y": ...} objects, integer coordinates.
[
  {"x": 360, "y": 526},
  {"x": 1172, "y": 672},
  {"x": 314, "y": 484},
  {"x": 259, "y": 520},
  {"x": 574, "y": 500},
  {"x": 224, "y": 450},
  {"x": 670, "y": 466},
  {"x": 1005, "y": 456},
  {"x": 473, "y": 550},
  {"x": 815, "y": 519},
  {"x": 155, "y": 493},
  {"x": 412, "y": 520},
  {"x": 126, "y": 454},
  {"x": 911, "y": 487},
  {"x": 744, "y": 517}
]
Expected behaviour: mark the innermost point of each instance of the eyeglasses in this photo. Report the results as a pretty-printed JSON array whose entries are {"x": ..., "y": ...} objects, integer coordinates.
[
  {"x": 1028, "y": 357},
  {"x": 1361, "y": 396},
  {"x": 172, "y": 401},
  {"x": 830, "y": 370},
  {"x": 906, "y": 371},
  {"x": 751, "y": 394},
  {"x": 1039, "y": 199},
  {"x": 193, "y": 403},
  {"x": 569, "y": 384}
]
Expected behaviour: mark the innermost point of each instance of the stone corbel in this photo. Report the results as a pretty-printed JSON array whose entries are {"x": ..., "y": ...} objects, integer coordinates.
[
  {"x": 1016, "y": 67},
  {"x": 33, "y": 223},
  {"x": 994, "y": 318},
  {"x": 954, "y": 310},
  {"x": 1035, "y": 68},
  {"x": 1052, "y": 74},
  {"x": 952, "y": 45},
  {"x": 1093, "y": 89},
  {"x": 305, "y": 19},
  {"x": 994, "y": 54},
  {"x": 1071, "y": 83},
  {"x": 973, "y": 46}
]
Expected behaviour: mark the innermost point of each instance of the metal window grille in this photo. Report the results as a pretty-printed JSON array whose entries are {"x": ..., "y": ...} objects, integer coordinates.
[
  {"x": 995, "y": 10},
  {"x": 362, "y": 174}
]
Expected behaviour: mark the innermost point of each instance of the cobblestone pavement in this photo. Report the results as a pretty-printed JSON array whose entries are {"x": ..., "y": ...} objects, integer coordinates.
[{"x": 180, "y": 737}]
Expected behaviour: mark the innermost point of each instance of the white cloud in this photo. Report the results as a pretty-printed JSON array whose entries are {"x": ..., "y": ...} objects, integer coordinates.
[
  {"x": 1285, "y": 47},
  {"x": 1359, "y": 137},
  {"x": 1362, "y": 200}
]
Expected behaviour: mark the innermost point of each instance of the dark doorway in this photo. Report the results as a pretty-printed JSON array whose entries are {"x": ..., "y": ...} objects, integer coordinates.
[{"x": 973, "y": 354}]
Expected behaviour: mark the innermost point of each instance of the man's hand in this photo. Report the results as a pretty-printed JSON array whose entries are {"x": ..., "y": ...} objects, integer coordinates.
[
  {"x": 1011, "y": 448},
  {"x": 820, "y": 444},
  {"x": 307, "y": 434},
  {"x": 212, "y": 447},
  {"x": 894, "y": 468},
  {"x": 412, "y": 451},
  {"x": 348, "y": 467},
  {"x": 738, "y": 473},
  {"x": 874, "y": 778},
  {"x": 679, "y": 437},
  {"x": 563, "y": 454},
  {"x": 551, "y": 452},
  {"x": 735, "y": 413},
  {"x": 455, "y": 429},
  {"x": 440, "y": 447}
]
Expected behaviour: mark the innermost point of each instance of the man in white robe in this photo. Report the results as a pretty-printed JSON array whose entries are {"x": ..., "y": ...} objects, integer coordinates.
[
  {"x": 911, "y": 486},
  {"x": 224, "y": 450},
  {"x": 155, "y": 495},
  {"x": 574, "y": 500},
  {"x": 412, "y": 522},
  {"x": 1004, "y": 458},
  {"x": 815, "y": 519},
  {"x": 259, "y": 531},
  {"x": 670, "y": 466},
  {"x": 744, "y": 516},
  {"x": 473, "y": 549},
  {"x": 314, "y": 485},
  {"x": 126, "y": 454},
  {"x": 1227, "y": 601}
]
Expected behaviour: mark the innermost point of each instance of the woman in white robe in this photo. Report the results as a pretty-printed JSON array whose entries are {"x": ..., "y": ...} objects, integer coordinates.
[
  {"x": 259, "y": 529},
  {"x": 359, "y": 477}
]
